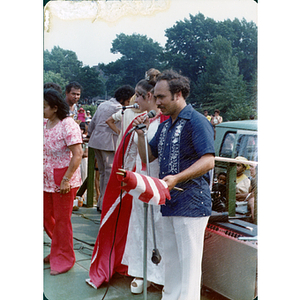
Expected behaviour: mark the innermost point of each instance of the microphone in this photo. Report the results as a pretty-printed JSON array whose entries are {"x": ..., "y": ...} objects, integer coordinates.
[
  {"x": 135, "y": 105},
  {"x": 150, "y": 114},
  {"x": 156, "y": 257},
  {"x": 139, "y": 126}
]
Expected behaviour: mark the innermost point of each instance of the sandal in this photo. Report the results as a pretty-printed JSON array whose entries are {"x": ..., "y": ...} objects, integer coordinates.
[
  {"x": 137, "y": 285},
  {"x": 54, "y": 273}
]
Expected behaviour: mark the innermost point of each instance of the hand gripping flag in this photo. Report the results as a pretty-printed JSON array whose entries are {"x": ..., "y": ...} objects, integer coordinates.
[
  {"x": 145, "y": 188},
  {"x": 99, "y": 269}
]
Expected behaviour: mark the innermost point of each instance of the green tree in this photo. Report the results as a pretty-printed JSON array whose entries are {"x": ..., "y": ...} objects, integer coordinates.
[
  {"x": 243, "y": 38},
  {"x": 62, "y": 66},
  {"x": 188, "y": 45},
  {"x": 189, "y": 48},
  {"x": 226, "y": 84},
  {"x": 62, "y": 61},
  {"x": 139, "y": 53},
  {"x": 92, "y": 82},
  {"x": 50, "y": 76}
]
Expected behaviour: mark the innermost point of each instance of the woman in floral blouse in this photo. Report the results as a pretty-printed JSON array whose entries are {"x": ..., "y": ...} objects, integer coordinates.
[{"x": 62, "y": 157}]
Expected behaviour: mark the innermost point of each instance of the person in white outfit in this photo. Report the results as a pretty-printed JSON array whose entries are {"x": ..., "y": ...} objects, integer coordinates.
[{"x": 133, "y": 254}]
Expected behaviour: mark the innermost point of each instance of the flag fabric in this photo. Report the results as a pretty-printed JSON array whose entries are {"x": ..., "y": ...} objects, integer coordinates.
[
  {"x": 148, "y": 189},
  {"x": 110, "y": 244}
]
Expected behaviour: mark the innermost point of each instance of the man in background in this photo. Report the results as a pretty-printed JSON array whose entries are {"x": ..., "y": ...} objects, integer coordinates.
[
  {"x": 73, "y": 93},
  {"x": 103, "y": 139}
]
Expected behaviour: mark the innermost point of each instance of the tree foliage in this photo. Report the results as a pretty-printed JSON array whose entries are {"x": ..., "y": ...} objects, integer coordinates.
[
  {"x": 62, "y": 66},
  {"x": 139, "y": 54},
  {"x": 62, "y": 61},
  {"x": 219, "y": 57},
  {"x": 50, "y": 76},
  {"x": 226, "y": 84},
  {"x": 93, "y": 84}
]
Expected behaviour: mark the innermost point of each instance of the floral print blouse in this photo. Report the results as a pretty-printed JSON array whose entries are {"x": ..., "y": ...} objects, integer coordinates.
[{"x": 57, "y": 155}]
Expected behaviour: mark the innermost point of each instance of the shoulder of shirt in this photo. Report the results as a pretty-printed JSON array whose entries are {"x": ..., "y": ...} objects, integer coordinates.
[
  {"x": 194, "y": 117},
  {"x": 188, "y": 112},
  {"x": 68, "y": 120},
  {"x": 114, "y": 100}
]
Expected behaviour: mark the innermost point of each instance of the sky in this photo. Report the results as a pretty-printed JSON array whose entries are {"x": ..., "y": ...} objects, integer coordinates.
[{"x": 92, "y": 40}]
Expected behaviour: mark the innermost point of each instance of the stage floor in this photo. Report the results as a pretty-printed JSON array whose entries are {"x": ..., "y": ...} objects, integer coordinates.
[{"x": 72, "y": 285}]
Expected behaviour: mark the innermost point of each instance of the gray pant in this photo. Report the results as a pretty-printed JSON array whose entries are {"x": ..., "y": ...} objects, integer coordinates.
[{"x": 105, "y": 161}]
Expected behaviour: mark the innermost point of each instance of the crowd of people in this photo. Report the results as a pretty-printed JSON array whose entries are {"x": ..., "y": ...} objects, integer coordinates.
[{"x": 179, "y": 151}]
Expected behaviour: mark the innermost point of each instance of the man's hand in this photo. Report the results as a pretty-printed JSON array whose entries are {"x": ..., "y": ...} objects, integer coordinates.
[
  {"x": 198, "y": 168},
  {"x": 171, "y": 181}
]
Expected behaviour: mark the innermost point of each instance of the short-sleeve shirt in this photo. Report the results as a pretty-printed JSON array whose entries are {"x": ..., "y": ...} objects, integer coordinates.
[
  {"x": 57, "y": 155},
  {"x": 102, "y": 137},
  {"x": 178, "y": 146}
]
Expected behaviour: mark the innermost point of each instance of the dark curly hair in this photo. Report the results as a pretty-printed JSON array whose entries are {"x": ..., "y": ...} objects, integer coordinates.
[
  {"x": 53, "y": 85},
  {"x": 54, "y": 98},
  {"x": 124, "y": 93},
  {"x": 75, "y": 85},
  {"x": 176, "y": 81}
]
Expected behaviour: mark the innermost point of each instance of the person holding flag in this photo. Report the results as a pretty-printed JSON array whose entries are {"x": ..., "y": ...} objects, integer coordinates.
[
  {"x": 121, "y": 250},
  {"x": 184, "y": 146}
]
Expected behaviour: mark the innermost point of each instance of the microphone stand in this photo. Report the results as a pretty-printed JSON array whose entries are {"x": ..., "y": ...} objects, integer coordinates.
[
  {"x": 145, "y": 223},
  {"x": 122, "y": 116},
  {"x": 156, "y": 258}
]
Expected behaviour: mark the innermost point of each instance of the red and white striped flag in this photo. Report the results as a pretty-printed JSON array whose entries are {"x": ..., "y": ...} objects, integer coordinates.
[
  {"x": 145, "y": 188},
  {"x": 104, "y": 255}
]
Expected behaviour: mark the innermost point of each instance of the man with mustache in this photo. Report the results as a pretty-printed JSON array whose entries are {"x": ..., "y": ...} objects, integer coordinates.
[{"x": 184, "y": 146}]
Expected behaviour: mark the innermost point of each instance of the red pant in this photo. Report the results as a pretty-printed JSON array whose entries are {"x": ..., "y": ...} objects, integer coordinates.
[{"x": 57, "y": 223}]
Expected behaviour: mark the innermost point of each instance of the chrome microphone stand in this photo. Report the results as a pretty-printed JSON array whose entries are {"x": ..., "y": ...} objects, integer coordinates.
[
  {"x": 145, "y": 222},
  {"x": 156, "y": 256}
]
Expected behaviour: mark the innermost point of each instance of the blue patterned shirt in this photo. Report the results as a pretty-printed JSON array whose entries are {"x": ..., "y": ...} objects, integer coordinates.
[{"x": 177, "y": 146}]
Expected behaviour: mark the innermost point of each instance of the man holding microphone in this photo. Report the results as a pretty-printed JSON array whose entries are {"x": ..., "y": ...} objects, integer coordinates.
[{"x": 184, "y": 146}]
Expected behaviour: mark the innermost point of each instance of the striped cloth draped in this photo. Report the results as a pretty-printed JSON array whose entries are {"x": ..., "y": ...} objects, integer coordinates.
[
  {"x": 104, "y": 255},
  {"x": 145, "y": 188}
]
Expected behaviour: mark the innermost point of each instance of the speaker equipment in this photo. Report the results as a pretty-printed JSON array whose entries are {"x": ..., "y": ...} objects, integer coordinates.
[{"x": 229, "y": 265}]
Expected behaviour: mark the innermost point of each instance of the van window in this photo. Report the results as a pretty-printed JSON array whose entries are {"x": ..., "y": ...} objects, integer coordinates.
[
  {"x": 227, "y": 145},
  {"x": 247, "y": 147}
]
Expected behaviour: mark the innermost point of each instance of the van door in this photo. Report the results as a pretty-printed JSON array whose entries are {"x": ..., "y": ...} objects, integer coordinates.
[
  {"x": 227, "y": 147},
  {"x": 228, "y": 144}
]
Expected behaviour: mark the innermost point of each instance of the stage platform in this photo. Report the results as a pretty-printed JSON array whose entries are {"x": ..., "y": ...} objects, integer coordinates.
[{"x": 72, "y": 285}]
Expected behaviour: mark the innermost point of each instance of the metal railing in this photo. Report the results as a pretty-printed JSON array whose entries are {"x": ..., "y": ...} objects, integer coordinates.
[
  {"x": 89, "y": 182},
  {"x": 231, "y": 184}
]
